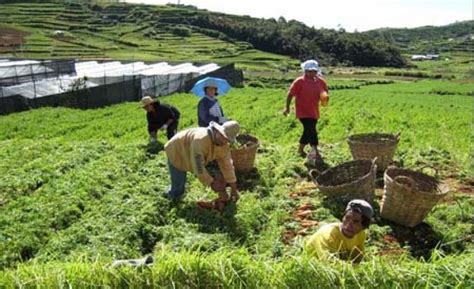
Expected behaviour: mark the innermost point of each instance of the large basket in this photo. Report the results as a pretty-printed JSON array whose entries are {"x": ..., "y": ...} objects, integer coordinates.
[
  {"x": 409, "y": 196},
  {"x": 347, "y": 181},
  {"x": 244, "y": 156},
  {"x": 374, "y": 145}
]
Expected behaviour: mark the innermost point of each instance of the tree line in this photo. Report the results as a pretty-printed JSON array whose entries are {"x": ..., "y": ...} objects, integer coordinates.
[{"x": 296, "y": 39}]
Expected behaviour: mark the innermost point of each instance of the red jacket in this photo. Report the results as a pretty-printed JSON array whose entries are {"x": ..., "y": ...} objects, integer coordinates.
[{"x": 306, "y": 92}]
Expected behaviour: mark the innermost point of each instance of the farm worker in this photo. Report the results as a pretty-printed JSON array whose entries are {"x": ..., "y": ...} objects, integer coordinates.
[
  {"x": 160, "y": 117},
  {"x": 191, "y": 149},
  {"x": 308, "y": 90},
  {"x": 209, "y": 108},
  {"x": 344, "y": 240}
]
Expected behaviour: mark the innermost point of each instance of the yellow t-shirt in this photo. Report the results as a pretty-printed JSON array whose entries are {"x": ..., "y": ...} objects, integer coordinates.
[{"x": 329, "y": 240}]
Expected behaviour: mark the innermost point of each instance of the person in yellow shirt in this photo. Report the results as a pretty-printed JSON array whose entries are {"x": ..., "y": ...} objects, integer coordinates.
[
  {"x": 191, "y": 149},
  {"x": 344, "y": 240}
]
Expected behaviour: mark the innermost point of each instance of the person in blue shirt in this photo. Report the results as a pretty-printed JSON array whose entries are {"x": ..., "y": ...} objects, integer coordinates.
[{"x": 209, "y": 108}]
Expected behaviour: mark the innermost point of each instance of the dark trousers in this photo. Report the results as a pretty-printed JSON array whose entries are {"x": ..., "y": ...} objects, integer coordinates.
[
  {"x": 310, "y": 135},
  {"x": 172, "y": 129}
]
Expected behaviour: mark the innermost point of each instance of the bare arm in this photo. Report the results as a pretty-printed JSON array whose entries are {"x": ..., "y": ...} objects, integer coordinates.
[{"x": 287, "y": 107}]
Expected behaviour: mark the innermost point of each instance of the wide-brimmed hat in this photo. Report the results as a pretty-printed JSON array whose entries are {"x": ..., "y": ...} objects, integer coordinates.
[
  {"x": 147, "y": 100},
  {"x": 310, "y": 65},
  {"x": 222, "y": 86},
  {"x": 230, "y": 129},
  {"x": 362, "y": 207}
]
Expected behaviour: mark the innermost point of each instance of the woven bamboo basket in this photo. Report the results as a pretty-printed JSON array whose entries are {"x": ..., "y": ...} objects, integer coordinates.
[
  {"x": 374, "y": 145},
  {"x": 409, "y": 196},
  {"x": 347, "y": 181},
  {"x": 243, "y": 157}
]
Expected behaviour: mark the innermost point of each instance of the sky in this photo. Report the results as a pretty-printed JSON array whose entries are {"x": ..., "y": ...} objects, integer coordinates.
[{"x": 360, "y": 15}]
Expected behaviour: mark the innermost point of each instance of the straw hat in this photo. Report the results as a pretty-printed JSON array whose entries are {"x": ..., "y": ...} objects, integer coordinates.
[
  {"x": 229, "y": 129},
  {"x": 147, "y": 100}
]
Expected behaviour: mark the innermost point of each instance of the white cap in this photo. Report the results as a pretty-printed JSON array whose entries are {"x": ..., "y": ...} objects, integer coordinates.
[{"x": 310, "y": 65}]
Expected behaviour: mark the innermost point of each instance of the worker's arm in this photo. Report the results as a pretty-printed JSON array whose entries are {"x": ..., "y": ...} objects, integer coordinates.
[{"x": 198, "y": 165}]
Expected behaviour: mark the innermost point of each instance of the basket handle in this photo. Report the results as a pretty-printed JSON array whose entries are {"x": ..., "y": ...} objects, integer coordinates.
[
  {"x": 397, "y": 136},
  {"x": 313, "y": 174},
  {"x": 374, "y": 165},
  {"x": 431, "y": 167},
  {"x": 406, "y": 181}
]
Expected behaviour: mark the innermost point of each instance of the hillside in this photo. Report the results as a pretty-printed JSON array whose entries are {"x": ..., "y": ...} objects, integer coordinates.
[
  {"x": 178, "y": 33},
  {"x": 457, "y": 36},
  {"x": 117, "y": 32}
]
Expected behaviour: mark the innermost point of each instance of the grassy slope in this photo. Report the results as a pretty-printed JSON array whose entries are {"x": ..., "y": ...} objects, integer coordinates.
[
  {"x": 429, "y": 39},
  {"x": 123, "y": 41},
  {"x": 79, "y": 186}
]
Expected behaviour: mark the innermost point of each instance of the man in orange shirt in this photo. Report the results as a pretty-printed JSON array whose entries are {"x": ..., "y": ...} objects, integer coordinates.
[{"x": 307, "y": 91}]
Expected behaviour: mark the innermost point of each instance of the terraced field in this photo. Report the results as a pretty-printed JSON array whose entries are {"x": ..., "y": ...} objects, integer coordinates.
[{"x": 124, "y": 32}]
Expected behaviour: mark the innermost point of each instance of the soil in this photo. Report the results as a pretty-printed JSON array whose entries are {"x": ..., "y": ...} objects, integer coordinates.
[
  {"x": 457, "y": 187},
  {"x": 11, "y": 38},
  {"x": 303, "y": 189},
  {"x": 421, "y": 239},
  {"x": 392, "y": 251},
  {"x": 303, "y": 215}
]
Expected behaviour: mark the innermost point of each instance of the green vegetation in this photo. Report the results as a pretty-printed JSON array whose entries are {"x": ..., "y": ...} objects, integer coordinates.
[
  {"x": 179, "y": 33},
  {"x": 81, "y": 187},
  {"x": 237, "y": 269},
  {"x": 120, "y": 31},
  {"x": 429, "y": 39}
]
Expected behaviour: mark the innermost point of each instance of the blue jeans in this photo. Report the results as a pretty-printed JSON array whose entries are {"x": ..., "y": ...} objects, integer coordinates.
[{"x": 178, "y": 182}]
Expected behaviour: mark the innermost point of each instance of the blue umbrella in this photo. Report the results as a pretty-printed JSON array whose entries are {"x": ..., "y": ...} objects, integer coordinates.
[{"x": 222, "y": 86}]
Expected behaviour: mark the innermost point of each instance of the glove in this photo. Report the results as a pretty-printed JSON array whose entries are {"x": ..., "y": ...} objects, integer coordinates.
[
  {"x": 153, "y": 140},
  {"x": 165, "y": 126}
]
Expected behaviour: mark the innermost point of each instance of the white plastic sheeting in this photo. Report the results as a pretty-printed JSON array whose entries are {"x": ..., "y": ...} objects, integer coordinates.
[
  {"x": 6, "y": 62},
  {"x": 156, "y": 79},
  {"x": 43, "y": 87},
  {"x": 165, "y": 80},
  {"x": 116, "y": 74},
  {"x": 21, "y": 68}
]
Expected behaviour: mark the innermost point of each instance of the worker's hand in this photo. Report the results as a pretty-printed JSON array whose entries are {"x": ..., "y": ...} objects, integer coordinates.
[
  {"x": 223, "y": 197},
  {"x": 218, "y": 185},
  {"x": 286, "y": 111},
  {"x": 165, "y": 126},
  {"x": 223, "y": 119},
  {"x": 153, "y": 140},
  {"x": 234, "y": 196}
]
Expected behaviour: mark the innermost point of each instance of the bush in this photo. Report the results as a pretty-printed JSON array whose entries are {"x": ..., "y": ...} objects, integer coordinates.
[{"x": 181, "y": 31}]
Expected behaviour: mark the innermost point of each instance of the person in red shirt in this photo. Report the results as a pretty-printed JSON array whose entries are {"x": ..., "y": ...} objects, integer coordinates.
[{"x": 308, "y": 90}]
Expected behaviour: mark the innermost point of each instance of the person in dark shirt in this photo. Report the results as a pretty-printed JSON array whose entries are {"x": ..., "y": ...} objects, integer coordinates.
[{"x": 160, "y": 116}]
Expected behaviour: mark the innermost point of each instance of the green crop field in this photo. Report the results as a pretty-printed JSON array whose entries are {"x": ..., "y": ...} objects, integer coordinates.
[{"x": 80, "y": 188}]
